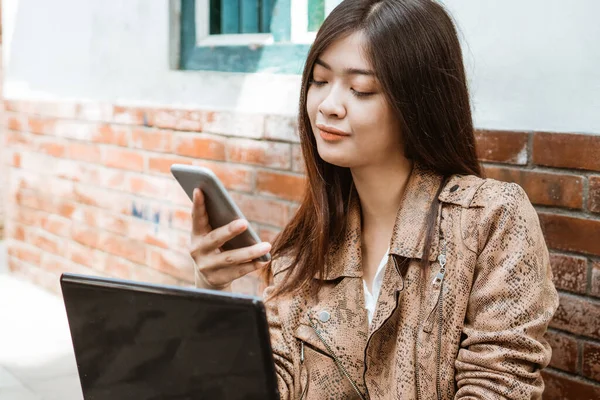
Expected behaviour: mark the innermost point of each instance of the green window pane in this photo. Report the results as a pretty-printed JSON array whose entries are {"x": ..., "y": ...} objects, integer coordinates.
[
  {"x": 316, "y": 14},
  {"x": 250, "y": 16},
  {"x": 266, "y": 11},
  {"x": 230, "y": 16}
]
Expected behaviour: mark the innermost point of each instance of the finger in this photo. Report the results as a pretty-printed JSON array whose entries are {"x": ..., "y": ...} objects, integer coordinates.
[
  {"x": 200, "y": 225},
  {"x": 225, "y": 275},
  {"x": 244, "y": 255},
  {"x": 218, "y": 237}
]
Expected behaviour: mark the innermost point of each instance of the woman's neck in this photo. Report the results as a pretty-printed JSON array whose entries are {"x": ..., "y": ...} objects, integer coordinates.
[{"x": 380, "y": 189}]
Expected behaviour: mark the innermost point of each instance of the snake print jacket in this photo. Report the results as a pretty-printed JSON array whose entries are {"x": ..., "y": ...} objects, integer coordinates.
[{"x": 471, "y": 327}]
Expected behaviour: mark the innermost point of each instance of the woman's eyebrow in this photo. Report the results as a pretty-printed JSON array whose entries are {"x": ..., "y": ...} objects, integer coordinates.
[{"x": 347, "y": 71}]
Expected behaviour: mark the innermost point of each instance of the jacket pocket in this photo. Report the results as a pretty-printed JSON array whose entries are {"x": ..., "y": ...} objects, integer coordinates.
[{"x": 320, "y": 376}]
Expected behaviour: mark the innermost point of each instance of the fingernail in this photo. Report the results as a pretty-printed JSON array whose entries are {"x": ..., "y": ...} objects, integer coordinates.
[
  {"x": 264, "y": 246},
  {"x": 239, "y": 224}
]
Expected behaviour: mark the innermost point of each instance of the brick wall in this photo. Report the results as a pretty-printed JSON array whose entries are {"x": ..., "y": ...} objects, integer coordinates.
[
  {"x": 90, "y": 191},
  {"x": 561, "y": 175},
  {"x": 90, "y": 188}
]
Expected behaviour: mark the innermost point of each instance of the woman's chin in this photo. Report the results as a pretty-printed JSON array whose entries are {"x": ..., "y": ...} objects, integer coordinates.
[{"x": 338, "y": 160}]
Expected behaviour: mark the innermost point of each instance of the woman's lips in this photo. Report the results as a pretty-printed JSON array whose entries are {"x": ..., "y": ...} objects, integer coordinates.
[{"x": 331, "y": 134}]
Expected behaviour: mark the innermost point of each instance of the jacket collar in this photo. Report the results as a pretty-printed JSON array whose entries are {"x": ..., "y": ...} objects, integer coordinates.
[{"x": 408, "y": 238}]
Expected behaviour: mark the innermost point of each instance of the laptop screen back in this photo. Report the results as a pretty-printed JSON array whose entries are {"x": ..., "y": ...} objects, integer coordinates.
[{"x": 132, "y": 344}]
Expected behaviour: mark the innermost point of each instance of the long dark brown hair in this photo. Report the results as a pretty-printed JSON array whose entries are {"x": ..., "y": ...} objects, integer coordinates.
[{"x": 414, "y": 49}]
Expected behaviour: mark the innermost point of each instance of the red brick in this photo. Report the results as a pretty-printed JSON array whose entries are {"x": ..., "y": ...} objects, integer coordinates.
[
  {"x": 85, "y": 235},
  {"x": 572, "y": 234},
  {"x": 110, "y": 222},
  {"x": 120, "y": 268},
  {"x": 60, "y": 265},
  {"x": 281, "y": 127},
  {"x": 233, "y": 177},
  {"x": 162, "y": 164},
  {"x": 208, "y": 147},
  {"x": 108, "y": 178},
  {"x": 53, "y": 149},
  {"x": 23, "y": 252},
  {"x": 595, "y": 279},
  {"x": 179, "y": 265},
  {"x": 182, "y": 219},
  {"x": 93, "y": 111},
  {"x": 34, "y": 274},
  {"x": 263, "y": 211},
  {"x": 591, "y": 361},
  {"x": 45, "y": 241},
  {"x": 112, "y": 134},
  {"x": 110, "y": 200},
  {"x": 542, "y": 188},
  {"x": 146, "y": 274},
  {"x": 183, "y": 120},
  {"x": 121, "y": 246},
  {"x": 286, "y": 186},
  {"x": 86, "y": 256},
  {"x": 151, "y": 186},
  {"x": 594, "y": 194},
  {"x": 578, "y": 315},
  {"x": 128, "y": 115},
  {"x": 566, "y": 150},
  {"x": 268, "y": 154},
  {"x": 28, "y": 216},
  {"x": 502, "y": 146},
  {"x": 13, "y": 122},
  {"x": 41, "y": 125},
  {"x": 85, "y": 152},
  {"x": 560, "y": 386},
  {"x": 564, "y": 351},
  {"x": 13, "y": 138},
  {"x": 15, "y": 231},
  {"x": 57, "y": 225},
  {"x": 570, "y": 273},
  {"x": 152, "y": 140},
  {"x": 268, "y": 234},
  {"x": 124, "y": 159},
  {"x": 16, "y": 159},
  {"x": 297, "y": 159}
]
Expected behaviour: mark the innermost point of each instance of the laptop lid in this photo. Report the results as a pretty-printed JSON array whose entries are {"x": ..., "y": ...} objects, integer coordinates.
[{"x": 144, "y": 341}]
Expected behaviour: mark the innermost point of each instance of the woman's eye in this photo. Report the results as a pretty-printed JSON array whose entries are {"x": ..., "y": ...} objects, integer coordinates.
[
  {"x": 361, "y": 94},
  {"x": 317, "y": 83}
]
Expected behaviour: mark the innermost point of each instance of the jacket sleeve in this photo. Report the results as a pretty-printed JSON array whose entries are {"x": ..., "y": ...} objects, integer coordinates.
[
  {"x": 281, "y": 343},
  {"x": 511, "y": 303}
]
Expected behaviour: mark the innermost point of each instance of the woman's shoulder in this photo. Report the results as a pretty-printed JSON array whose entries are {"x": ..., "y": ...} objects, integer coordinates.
[
  {"x": 470, "y": 191},
  {"x": 493, "y": 205}
]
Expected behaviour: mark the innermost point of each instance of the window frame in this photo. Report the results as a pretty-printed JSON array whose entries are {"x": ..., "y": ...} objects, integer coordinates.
[{"x": 283, "y": 51}]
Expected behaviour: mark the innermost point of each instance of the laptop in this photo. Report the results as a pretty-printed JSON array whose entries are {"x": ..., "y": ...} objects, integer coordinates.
[{"x": 143, "y": 341}]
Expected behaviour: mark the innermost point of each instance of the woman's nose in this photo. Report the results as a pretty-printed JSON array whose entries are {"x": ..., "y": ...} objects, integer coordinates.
[{"x": 332, "y": 105}]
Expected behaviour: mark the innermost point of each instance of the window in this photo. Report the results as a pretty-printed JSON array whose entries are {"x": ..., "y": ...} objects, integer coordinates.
[{"x": 248, "y": 35}]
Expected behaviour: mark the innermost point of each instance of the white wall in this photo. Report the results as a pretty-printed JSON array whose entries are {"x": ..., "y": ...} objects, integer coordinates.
[{"x": 533, "y": 64}]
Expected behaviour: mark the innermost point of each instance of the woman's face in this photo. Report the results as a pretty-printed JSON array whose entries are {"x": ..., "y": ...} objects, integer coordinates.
[{"x": 353, "y": 124}]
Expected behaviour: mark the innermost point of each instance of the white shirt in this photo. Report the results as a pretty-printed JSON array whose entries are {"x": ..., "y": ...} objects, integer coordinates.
[{"x": 371, "y": 296}]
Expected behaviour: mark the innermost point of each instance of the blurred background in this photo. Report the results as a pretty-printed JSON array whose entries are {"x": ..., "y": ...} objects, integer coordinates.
[{"x": 101, "y": 97}]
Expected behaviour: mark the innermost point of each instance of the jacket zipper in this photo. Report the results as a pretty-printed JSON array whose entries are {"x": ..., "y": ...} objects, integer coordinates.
[
  {"x": 438, "y": 282},
  {"x": 397, "y": 296},
  {"x": 439, "y": 278},
  {"x": 305, "y": 390},
  {"x": 337, "y": 361}
]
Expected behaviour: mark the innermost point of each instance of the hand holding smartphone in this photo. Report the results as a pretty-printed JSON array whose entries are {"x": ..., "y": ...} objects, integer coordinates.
[{"x": 218, "y": 224}]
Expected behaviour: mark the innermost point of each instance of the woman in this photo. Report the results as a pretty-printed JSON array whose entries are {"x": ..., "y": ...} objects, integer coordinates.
[{"x": 404, "y": 274}]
